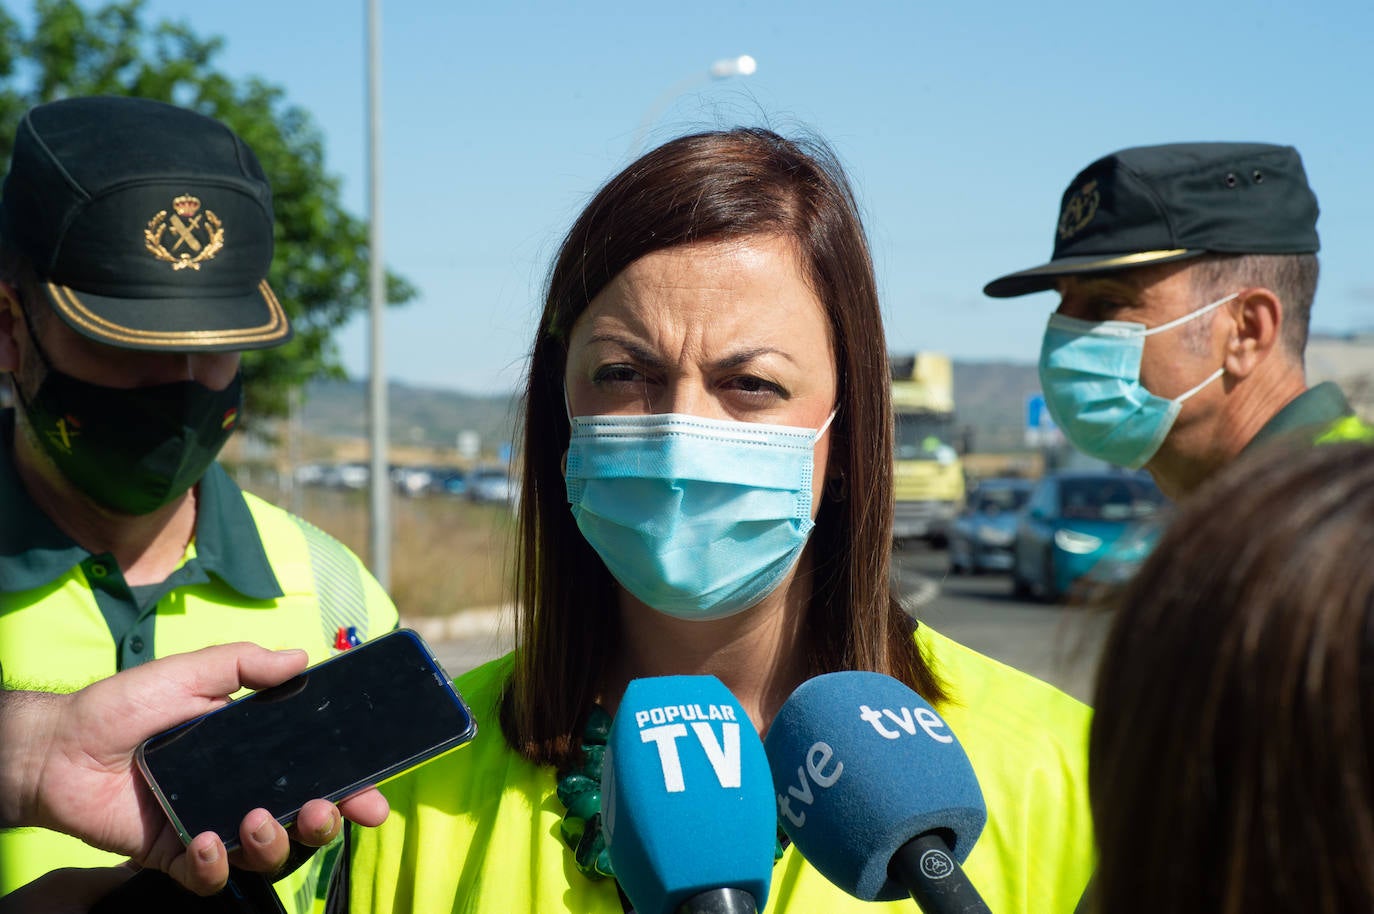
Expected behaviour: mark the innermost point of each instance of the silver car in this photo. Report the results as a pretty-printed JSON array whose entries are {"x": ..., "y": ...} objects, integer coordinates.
[{"x": 981, "y": 537}]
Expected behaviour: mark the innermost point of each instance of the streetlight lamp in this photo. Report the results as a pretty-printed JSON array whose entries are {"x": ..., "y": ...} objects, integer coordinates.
[{"x": 743, "y": 65}]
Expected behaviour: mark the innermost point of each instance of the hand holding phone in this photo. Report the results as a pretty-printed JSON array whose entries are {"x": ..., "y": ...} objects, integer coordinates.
[{"x": 340, "y": 726}]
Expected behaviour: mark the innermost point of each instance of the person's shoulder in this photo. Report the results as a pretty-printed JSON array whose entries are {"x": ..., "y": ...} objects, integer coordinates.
[
  {"x": 321, "y": 563},
  {"x": 264, "y": 511},
  {"x": 1306, "y": 419},
  {"x": 272, "y": 519},
  {"x": 487, "y": 763},
  {"x": 1346, "y": 429},
  {"x": 1027, "y": 742},
  {"x": 483, "y": 686},
  {"x": 988, "y": 696},
  {"x": 481, "y": 689}
]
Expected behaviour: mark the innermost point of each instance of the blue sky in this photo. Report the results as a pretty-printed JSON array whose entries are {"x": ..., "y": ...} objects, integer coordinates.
[{"x": 960, "y": 124}]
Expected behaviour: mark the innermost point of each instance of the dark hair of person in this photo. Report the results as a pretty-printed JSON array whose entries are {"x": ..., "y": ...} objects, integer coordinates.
[
  {"x": 1292, "y": 277},
  {"x": 1231, "y": 762},
  {"x": 702, "y": 188}
]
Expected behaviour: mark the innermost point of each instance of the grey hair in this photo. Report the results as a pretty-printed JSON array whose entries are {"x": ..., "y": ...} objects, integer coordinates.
[{"x": 1291, "y": 277}]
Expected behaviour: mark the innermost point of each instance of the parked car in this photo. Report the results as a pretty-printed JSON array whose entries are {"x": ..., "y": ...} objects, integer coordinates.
[
  {"x": 1075, "y": 519},
  {"x": 1121, "y": 561},
  {"x": 491, "y": 484},
  {"x": 412, "y": 481},
  {"x": 448, "y": 481},
  {"x": 981, "y": 536}
]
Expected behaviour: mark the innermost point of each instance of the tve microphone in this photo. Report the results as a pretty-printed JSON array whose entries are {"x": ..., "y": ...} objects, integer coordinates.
[
  {"x": 876, "y": 792},
  {"x": 687, "y": 800}
]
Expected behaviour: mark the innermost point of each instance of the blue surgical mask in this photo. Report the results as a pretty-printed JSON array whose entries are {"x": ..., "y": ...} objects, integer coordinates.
[
  {"x": 1090, "y": 375},
  {"x": 698, "y": 518}
]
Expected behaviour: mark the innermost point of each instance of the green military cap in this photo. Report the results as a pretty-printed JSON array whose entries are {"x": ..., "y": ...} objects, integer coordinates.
[
  {"x": 150, "y": 226},
  {"x": 1154, "y": 204}
]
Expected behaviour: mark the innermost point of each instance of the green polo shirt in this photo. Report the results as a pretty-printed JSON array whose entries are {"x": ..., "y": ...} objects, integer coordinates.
[
  {"x": 34, "y": 553},
  {"x": 1310, "y": 414}
]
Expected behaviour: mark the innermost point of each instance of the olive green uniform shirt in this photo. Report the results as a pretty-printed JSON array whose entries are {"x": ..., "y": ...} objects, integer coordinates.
[
  {"x": 252, "y": 572},
  {"x": 1319, "y": 414}
]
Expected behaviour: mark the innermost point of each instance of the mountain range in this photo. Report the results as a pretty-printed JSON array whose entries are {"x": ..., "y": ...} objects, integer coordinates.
[
  {"x": 989, "y": 403},
  {"x": 989, "y": 399}
]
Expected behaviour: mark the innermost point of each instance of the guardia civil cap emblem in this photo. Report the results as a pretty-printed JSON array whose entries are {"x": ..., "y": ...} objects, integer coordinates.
[
  {"x": 186, "y": 238},
  {"x": 1079, "y": 210}
]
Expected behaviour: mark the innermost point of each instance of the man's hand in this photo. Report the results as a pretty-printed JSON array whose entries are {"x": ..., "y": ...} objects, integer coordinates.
[{"x": 72, "y": 761}]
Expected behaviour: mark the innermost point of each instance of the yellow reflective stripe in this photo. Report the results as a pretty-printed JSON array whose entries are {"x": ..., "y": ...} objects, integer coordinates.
[
  {"x": 1117, "y": 260},
  {"x": 1350, "y": 428},
  {"x": 66, "y": 300},
  {"x": 338, "y": 582}
]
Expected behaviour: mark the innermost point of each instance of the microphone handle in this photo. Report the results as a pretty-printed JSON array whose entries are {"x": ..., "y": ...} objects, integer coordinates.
[
  {"x": 934, "y": 878},
  {"x": 719, "y": 901}
]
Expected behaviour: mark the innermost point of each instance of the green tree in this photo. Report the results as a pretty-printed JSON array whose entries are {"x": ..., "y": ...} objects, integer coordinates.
[{"x": 321, "y": 264}]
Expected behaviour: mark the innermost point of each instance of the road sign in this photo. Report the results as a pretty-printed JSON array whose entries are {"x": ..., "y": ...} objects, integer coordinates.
[{"x": 1040, "y": 428}]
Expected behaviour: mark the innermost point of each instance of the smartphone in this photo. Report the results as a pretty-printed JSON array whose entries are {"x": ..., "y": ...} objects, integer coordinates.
[{"x": 340, "y": 726}]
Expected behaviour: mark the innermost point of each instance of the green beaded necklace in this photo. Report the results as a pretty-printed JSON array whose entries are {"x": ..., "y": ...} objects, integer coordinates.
[{"x": 579, "y": 790}]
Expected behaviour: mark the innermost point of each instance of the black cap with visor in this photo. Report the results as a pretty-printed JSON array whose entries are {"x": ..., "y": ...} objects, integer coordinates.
[
  {"x": 150, "y": 226},
  {"x": 1156, "y": 204}
]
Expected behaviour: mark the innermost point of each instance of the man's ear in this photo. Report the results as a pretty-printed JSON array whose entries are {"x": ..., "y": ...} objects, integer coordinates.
[
  {"x": 9, "y": 326},
  {"x": 1254, "y": 330}
]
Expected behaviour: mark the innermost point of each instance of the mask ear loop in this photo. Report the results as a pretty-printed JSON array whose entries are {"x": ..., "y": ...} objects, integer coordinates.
[
  {"x": 1183, "y": 320},
  {"x": 572, "y": 426},
  {"x": 567, "y": 409},
  {"x": 1190, "y": 315},
  {"x": 836, "y": 487},
  {"x": 826, "y": 424},
  {"x": 1208, "y": 380}
]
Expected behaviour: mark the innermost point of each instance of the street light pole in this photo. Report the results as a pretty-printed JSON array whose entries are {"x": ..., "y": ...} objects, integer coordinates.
[
  {"x": 379, "y": 475},
  {"x": 743, "y": 65}
]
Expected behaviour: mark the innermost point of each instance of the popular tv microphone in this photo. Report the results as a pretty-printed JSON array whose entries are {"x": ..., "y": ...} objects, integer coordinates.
[
  {"x": 687, "y": 800},
  {"x": 876, "y": 792}
]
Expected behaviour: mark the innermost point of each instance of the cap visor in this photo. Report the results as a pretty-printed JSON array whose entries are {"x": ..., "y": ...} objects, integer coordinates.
[
  {"x": 1038, "y": 279},
  {"x": 220, "y": 324}
]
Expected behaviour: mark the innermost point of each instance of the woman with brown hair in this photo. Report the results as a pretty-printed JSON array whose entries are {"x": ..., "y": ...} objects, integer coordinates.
[
  {"x": 1232, "y": 753},
  {"x": 708, "y": 490}
]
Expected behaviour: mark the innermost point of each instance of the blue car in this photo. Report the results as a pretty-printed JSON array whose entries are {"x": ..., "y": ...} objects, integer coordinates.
[
  {"x": 1076, "y": 519},
  {"x": 981, "y": 537}
]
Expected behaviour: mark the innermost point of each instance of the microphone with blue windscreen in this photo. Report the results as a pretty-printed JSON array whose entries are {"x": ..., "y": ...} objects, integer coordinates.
[
  {"x": 687, "y": 800},
  {"x": 876, "y": 792}
]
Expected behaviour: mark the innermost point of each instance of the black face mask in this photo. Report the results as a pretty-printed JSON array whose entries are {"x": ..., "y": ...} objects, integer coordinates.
[{"x": 131, "y": 450}]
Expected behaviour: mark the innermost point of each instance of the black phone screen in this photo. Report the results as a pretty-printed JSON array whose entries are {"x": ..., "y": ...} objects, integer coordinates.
[{"x": 347, "y": 723}]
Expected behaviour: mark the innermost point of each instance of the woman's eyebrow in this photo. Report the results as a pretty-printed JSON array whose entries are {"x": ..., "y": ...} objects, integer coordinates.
[
  {"x": 633, "y": 349},
  {"x": 650, "y": 359},
  {"x": 745, "y": 356}
]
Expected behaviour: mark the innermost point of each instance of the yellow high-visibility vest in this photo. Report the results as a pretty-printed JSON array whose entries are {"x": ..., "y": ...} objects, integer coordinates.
[{"x": 477, "y": 831}]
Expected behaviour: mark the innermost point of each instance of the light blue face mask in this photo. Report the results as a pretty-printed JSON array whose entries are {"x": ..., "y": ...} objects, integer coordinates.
[
  {"x": 1090, "y": 375},
  {"x": 698, "y": 518}
]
